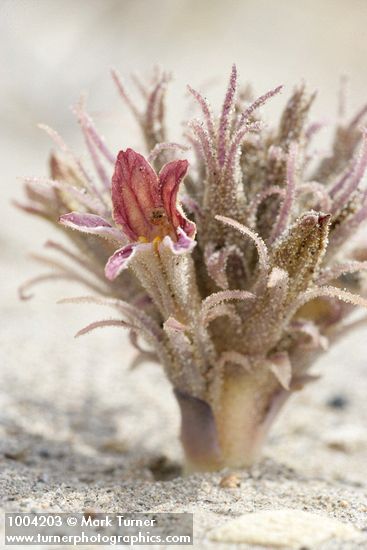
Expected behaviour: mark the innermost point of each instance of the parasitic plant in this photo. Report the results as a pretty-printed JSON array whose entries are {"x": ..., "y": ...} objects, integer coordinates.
[{"x": 234, "y": 272}]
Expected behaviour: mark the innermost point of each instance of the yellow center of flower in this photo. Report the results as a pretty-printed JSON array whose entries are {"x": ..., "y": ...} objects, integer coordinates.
[
  {"x": 160, "y": 227},
  {"x": 155, "y": 242}
]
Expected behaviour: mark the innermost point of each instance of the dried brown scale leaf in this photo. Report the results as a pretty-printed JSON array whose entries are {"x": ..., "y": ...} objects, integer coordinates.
[{"x": 301, "y": 250}]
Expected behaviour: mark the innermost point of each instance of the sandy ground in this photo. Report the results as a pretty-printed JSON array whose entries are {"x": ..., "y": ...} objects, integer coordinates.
[{"x": 78, "y": 430}]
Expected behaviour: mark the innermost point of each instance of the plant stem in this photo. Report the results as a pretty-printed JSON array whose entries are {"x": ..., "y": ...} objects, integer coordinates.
[{"x": 233, "y": 435}]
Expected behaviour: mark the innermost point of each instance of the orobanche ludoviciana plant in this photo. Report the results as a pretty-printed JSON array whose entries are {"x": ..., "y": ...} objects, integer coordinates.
[{"x": 234, "y": 269}]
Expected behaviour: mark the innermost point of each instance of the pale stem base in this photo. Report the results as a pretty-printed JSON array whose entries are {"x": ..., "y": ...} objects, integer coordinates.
[{"x": 233, "y": 435}]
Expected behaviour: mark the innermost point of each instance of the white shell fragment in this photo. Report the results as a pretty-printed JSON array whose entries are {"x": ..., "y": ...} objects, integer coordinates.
[{"x": 283, "y": 529}]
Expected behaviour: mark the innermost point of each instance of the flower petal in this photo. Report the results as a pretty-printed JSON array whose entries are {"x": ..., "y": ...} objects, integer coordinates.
[
  {"x": 135, "y": 194},
  {"x": 183, "y": 243},
  {"x": 93, "y": 224},
  {"x": 119, "y": 260},
  {"x": 170, "y": 178}
]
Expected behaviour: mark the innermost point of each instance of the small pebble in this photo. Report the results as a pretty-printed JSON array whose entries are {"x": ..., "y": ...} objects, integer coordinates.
[
  {"x": 117, "y": 446},
  {"x": 43, "y": 478},
  {"x": 347, "y": 438},
  {"x": 44, "y": 453},
  {"x": 337, "y": 402},
  {"x": 230, "y": 481},
  {"x": 90, "y": 513}
]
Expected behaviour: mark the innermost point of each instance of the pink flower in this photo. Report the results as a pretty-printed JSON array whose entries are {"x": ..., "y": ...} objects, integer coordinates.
[
  {"x": 144, "y": 204},
  {"x": 145, "y": 210}
]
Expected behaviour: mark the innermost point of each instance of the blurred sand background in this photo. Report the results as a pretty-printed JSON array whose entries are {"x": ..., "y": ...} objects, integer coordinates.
[{"x": 78, "y": 430}]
